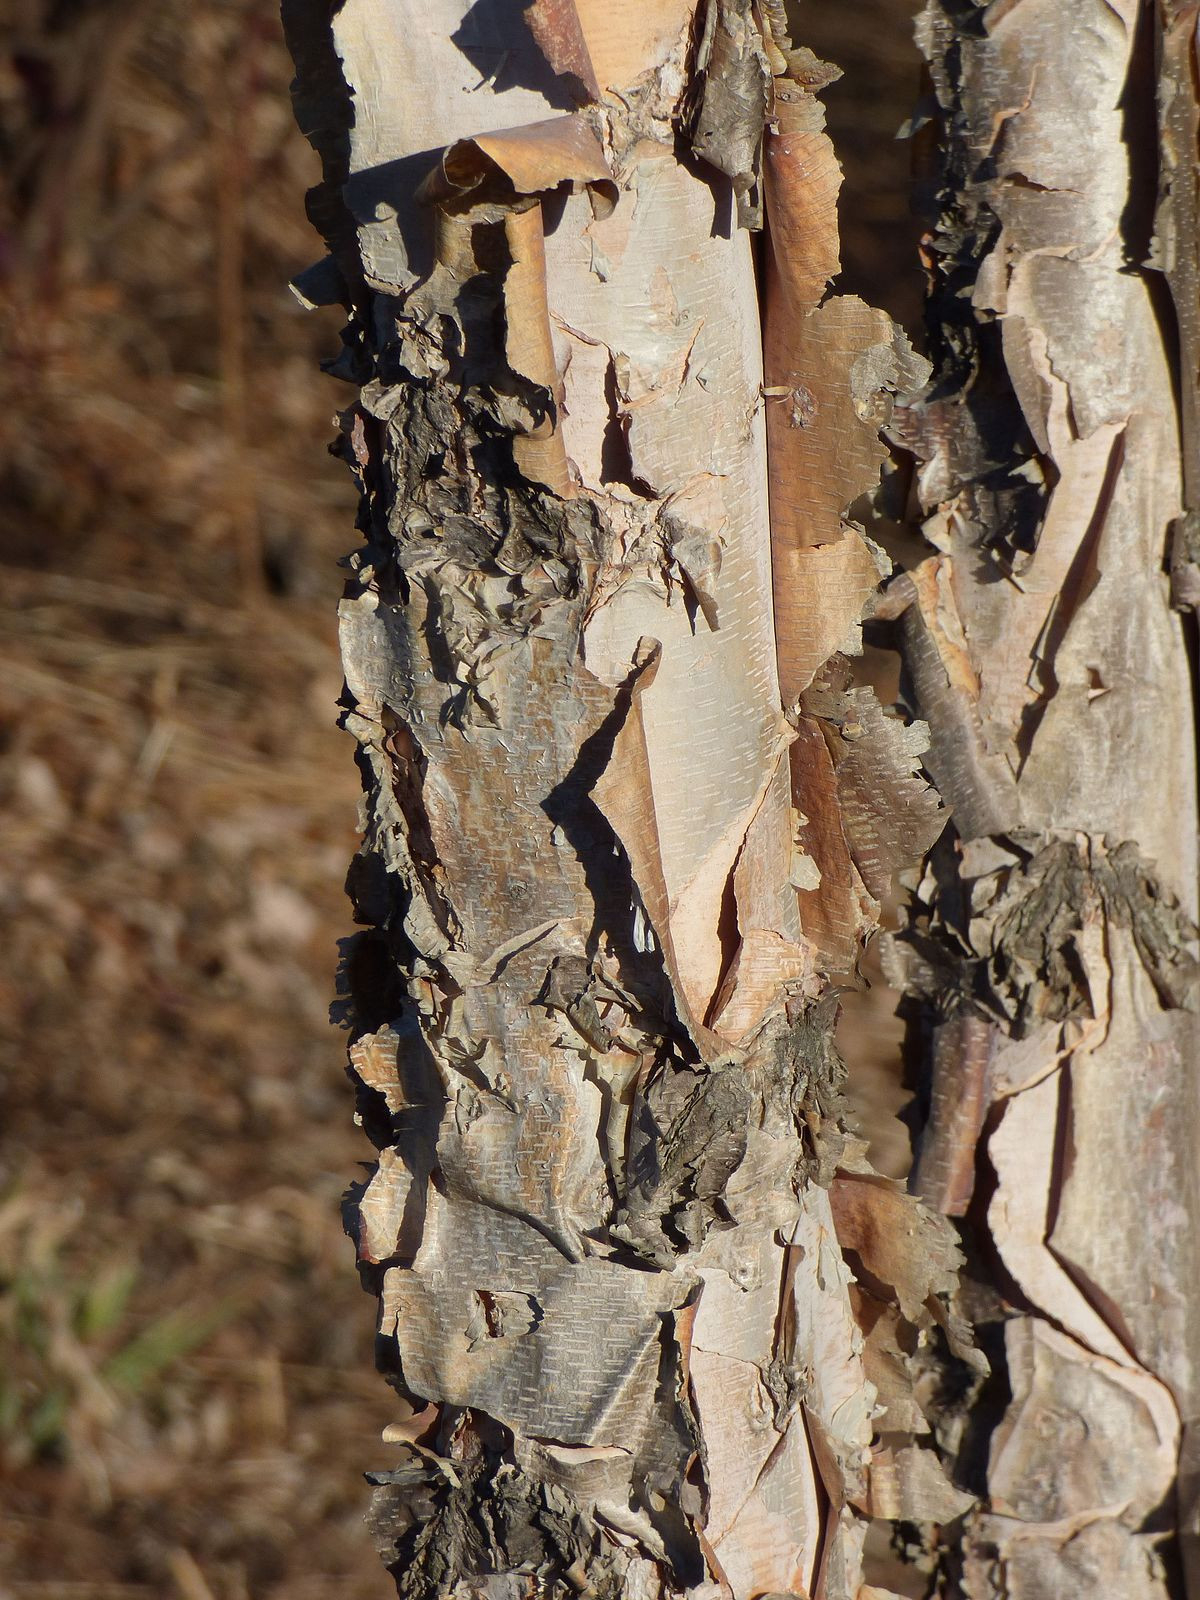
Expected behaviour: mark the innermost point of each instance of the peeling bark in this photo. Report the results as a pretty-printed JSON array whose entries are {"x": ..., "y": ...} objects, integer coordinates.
[
  {"x": 626, "y": 818},
  {"x": 1053, "y": 935}
]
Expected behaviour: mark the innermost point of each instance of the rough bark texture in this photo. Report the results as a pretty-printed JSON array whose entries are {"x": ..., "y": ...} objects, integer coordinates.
[
  {"x": 1053, "y": 933},
  {"x": 616, "y": 842}
]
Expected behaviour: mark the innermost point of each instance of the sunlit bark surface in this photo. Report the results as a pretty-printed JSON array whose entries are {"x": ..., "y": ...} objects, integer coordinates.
[
  {"x": 628, "y": 812},
  {"x": 1053, "y": 933}
]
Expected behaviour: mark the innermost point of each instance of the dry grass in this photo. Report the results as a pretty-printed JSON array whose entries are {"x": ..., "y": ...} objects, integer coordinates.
[
  {"x": 186, "y": 1394},
  {"x": 186, "y": 1399}
]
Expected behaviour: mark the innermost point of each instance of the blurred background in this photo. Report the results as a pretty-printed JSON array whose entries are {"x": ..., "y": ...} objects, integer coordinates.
[{"x": 187, "y": 1400}]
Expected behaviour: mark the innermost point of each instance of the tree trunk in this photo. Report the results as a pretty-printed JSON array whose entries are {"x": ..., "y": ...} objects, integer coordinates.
[
  {"x": 1053, "y": 934},
  {"x": 627, "y": 815},
  {"x": 631, "y": 807}
]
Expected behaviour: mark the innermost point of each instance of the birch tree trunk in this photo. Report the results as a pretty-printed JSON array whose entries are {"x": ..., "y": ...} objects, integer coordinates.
[
  {"x": 627, "y": 817},
  {"x": 1054, "y": 932}
]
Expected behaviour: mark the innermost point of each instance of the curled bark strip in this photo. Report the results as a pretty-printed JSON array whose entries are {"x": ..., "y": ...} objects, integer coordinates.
[
  {"x": 540, "y": 454},
  {"x": 531, "y": 159},
  {"x": 960, "y": 1096}
]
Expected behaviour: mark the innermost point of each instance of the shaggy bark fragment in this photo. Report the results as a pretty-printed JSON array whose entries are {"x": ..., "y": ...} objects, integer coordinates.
[
  {"x": 910, "y": 1485},
  {"x": 593, "y": 1032},
  {"x": 890, "y": 815},
  {"x": 733, "y": 100},
  {"x": 1054, "y": 940},
  {"x": 905, "y": 1247},
  {"x": 834, "y": 905},
  {"x": 831, "y": 371},
  {"x": 872, "y": 816},
  {"x": 906, "y": 1260}
]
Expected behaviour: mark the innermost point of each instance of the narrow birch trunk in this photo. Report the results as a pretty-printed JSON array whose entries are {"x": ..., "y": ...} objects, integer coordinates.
[
  {"x": 626, "y": 816},
  {"x": 1053, "y": 933}
]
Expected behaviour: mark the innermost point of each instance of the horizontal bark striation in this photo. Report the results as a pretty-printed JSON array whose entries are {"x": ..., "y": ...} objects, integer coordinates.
[
  {"x": 613, "y": 848},
  {"x": 1053, "y": 940}
]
